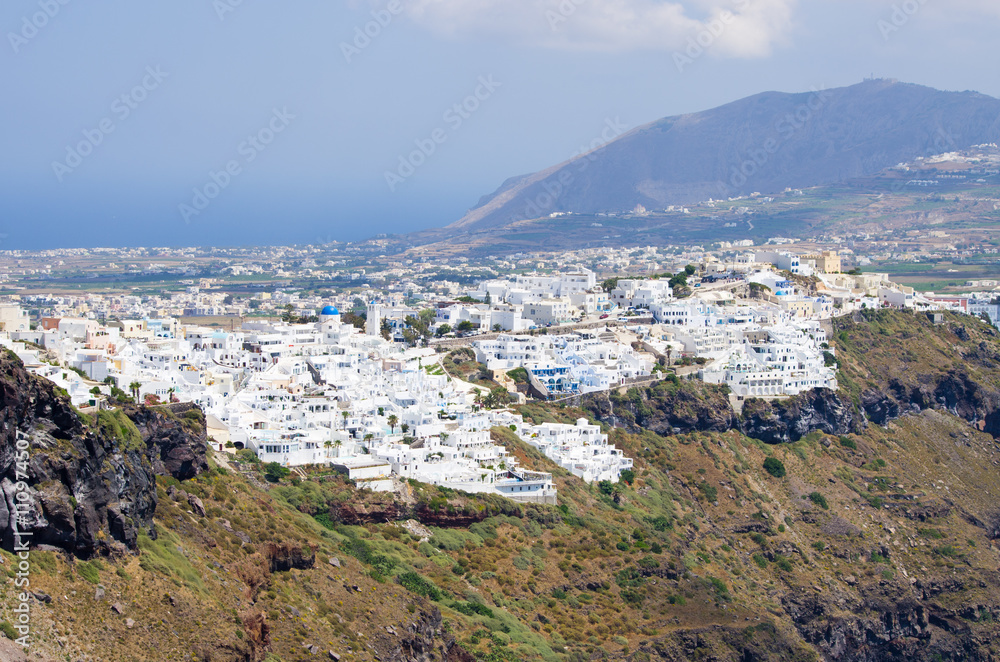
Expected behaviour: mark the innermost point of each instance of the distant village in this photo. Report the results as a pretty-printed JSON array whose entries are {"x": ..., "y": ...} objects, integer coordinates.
[{"x": 359, "y": 380}]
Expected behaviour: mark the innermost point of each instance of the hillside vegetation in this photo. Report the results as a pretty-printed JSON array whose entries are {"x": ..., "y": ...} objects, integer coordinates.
[{"x": 876, "y": 541}]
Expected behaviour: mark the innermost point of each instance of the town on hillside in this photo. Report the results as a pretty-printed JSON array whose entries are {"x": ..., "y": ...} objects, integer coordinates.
[{"x": 412, "y": 382}]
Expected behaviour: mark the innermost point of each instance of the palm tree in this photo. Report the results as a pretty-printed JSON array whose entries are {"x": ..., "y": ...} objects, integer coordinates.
[
  {"x": 393, "y": 420},
  {"x": 134, "y": 387},
  {"x": 345, "y": 414}
]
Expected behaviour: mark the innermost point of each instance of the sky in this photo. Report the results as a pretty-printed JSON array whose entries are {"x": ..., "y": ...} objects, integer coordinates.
[{"x": 250, "y": 122}]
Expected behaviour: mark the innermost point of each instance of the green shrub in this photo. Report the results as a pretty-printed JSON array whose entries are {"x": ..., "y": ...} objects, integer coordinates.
[
  {"x": 819, "y": 500},
  {"x": 711, "y": 493},
  {"x": 847, "y": 442},
  {"x": 88, "y": 571},
  {"x": 759, "y": 559},
  {"x": 472, "y": 609},
  {"x": 414, "y": 583},
  {"x": 721, "y": 590},
  {"x": 8, "y": 630},
  {"x": 274, "y": 472},
  {"x": 775, "y": 467}
]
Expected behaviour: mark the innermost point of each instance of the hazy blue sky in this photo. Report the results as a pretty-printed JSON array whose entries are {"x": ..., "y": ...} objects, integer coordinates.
[{"x": 309, "y": 117}]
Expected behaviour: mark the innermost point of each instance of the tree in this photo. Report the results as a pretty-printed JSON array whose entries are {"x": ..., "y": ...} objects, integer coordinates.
[
  {"x": 274, "y": 472},
  {"x": 442, "y": 330},
  {"x": 775, "y": 467},
  {"x": 465, "y": 326},
  {"x": 95, "y": 391},
  {"x": 345, "y": 414},
  {"x": 497, "y": 328},
  {"x": 288, "y": 313},
  {"x": 134, "y": 387},
  {"x": 405, "y": 427},
  {"x": 628, "y": 475},
  {"x": 690, "y": 270},
  {"x": 609, "y": 285},
  {"x": 393, "y": 420}
]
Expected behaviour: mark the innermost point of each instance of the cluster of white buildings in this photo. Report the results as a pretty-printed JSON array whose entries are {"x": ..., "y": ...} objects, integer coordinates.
[
  {"x": 568, "y": 364},
  {"x": 581, "y": 449},
  {"x": 296, "y": 394},
  {"x": 329, "y": 392}
]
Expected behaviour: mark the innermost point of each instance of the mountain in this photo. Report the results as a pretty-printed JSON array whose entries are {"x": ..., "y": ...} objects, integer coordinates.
[{"x": 764, "y": 143}]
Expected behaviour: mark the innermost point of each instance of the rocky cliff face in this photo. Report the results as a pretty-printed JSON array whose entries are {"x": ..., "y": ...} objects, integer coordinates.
[
  {"x": 887, "y": 623},
  {"x": 665, "y": 408},
  {"x": 784, "y": 421},
  {"x": 92, "y": 490}
]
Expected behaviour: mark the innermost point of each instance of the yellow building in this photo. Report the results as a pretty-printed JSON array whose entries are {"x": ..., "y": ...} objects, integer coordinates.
[{"x": 828, "y": 262}]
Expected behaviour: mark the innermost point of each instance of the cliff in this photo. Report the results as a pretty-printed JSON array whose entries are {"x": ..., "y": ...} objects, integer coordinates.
[{"x": 92, "y": 482}]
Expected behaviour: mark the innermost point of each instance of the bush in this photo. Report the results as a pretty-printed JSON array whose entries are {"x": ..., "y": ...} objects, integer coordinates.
[
  {"x": 414, "y": 583},
  {"x": 472, "y": 609},
  {"x": 775, "y": 467},
  {"x": 847, "y": 442},
  {"x": 88, "y": 571},
  {"x": 819, "y": 500},
  {"x": 720, "y": 587},
  {"x": 8, "y": 630},
  {"x": 760, "y": 560},
  {"x": 711, "y": 493},
  {"x": 274, "y": 472},
  {"x": 628, "y": 476}
]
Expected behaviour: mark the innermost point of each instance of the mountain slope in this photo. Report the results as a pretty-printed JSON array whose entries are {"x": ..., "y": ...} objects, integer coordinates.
[
  {"x": 877, "y": 544},
  {"x": 764, "y": 143}
]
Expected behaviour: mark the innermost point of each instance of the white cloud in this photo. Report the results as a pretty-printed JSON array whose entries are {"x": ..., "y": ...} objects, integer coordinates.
[{"x": 734, "y": 28}]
